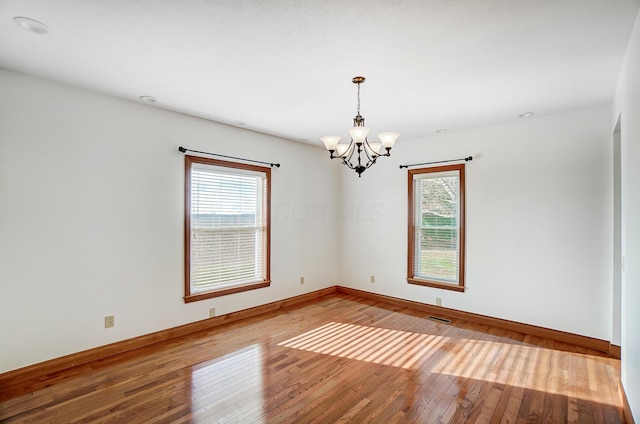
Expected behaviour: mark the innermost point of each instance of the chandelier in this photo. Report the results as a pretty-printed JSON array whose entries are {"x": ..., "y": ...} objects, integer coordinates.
[{"x": 367, "y": 152}]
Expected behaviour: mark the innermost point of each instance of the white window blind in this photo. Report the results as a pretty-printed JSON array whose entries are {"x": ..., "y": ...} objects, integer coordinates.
[
  {"x": 228, "y": 228},
  {"x": 436, "y": 200}
]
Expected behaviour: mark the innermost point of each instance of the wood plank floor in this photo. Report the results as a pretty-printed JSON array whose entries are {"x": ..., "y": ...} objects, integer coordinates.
[{"x": 337, "y": 360}]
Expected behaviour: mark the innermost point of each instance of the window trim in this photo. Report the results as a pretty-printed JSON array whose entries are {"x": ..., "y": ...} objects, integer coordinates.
[
  {"x": 411, "y": 278},
  {"x": 188, "y": 296}
]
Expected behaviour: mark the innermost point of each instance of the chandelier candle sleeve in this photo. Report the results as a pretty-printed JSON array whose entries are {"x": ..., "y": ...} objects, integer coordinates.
[{"x": 367, "y": 152}]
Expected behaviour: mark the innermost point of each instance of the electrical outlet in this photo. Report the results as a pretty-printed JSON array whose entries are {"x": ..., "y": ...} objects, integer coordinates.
[
  {"x": 373, "y": 278},
  {"x": 438, "y": 301},
  {"x": 212, "y": 312},
  {"x": 301, "y": 280},
  {"x": 109, "y": 321}
]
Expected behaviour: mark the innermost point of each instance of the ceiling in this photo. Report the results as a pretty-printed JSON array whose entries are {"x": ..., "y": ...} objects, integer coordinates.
[{"x": 284, "y": 67}]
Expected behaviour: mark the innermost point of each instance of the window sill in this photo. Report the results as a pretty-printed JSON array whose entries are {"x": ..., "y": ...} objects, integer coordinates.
[
  {"x": 436, "y": 284},
  {"x": 217, "y": 293}
]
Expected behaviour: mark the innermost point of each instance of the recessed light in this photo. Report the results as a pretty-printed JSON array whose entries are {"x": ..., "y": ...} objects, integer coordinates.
[
  {"x": 441, "y": 131},
  {"x": 526, "y": 115},
  {"x": 148, "y": 99},
  {"x": 32, "y": 25}
]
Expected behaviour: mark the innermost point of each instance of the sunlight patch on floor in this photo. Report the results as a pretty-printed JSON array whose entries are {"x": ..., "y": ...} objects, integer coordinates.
[
  {"x": 562, "y": 373},
  {"x": 384, "y": 346},
  {"x": 558, "y": 372}
]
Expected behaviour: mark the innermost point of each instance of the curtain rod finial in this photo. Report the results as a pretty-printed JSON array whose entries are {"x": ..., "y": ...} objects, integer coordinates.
[{"x": 182, "y": 149}]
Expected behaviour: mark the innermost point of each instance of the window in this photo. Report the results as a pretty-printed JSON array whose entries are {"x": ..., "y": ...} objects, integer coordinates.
[
  {"x": 227, "y": 227},
  {"x": 436, "y": 227}
]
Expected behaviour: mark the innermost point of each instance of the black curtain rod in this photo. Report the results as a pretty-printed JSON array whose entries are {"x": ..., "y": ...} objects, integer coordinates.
[
  {"x": 467, "y": 159},
  {"x": 185, "y": 150}
]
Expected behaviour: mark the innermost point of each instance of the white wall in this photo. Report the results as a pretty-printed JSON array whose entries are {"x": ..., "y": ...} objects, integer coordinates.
[
  {"x": 627, "y": 106},
  {"x": 539, "y": 222},
  {"x": 99, "y": 183},
  {"x": 91, "y": 218}
]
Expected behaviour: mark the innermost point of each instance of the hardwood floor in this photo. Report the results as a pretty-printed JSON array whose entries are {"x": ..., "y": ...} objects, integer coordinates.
[{"x": 337, "y": 360}]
